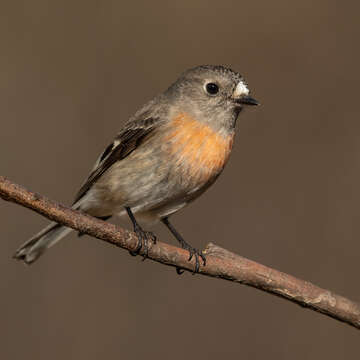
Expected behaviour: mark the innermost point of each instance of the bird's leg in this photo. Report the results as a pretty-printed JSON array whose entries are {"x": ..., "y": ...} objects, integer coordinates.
[
  {"x": 192, "y": 251},
  {"x": 143, "y": 236}
]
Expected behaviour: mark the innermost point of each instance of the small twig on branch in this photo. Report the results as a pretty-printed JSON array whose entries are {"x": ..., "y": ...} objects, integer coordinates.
[{"x": 220, "y": 263}]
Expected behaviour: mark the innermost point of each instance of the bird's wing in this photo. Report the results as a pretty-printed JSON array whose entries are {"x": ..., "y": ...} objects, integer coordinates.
[{"x": 123, "y": 145}]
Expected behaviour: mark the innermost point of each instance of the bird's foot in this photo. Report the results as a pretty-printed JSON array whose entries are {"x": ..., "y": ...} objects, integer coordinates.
[
  {"x": 143, "y": 241},
  {"x": 193, "y": 253}
]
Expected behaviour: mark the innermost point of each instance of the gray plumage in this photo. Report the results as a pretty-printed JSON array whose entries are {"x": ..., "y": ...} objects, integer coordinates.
[{"x": 165, "y": 156}]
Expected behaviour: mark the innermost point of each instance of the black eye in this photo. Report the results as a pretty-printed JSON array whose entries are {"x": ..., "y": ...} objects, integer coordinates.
[{"x": 212, "y": 88}]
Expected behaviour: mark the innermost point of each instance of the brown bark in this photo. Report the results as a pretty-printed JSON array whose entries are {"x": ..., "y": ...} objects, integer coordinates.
[{"x": 221, "y": 263}]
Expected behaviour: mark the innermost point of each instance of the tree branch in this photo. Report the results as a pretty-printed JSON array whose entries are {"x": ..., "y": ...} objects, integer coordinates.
[{"x": 221, "y": 263}]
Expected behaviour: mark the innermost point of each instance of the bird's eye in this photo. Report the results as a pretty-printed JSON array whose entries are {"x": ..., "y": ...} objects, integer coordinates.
[{"x": 212, "y": 88}]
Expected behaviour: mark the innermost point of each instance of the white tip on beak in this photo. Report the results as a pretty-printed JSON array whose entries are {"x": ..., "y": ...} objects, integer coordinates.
[{"x": 241, "y": 90}]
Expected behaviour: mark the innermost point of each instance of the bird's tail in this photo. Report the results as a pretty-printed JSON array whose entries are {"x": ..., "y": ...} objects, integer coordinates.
[{"x": 32, "y": 249}]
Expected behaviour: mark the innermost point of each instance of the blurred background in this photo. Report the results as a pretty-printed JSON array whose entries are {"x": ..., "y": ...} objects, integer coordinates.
[{"x": 71, "y": 73}]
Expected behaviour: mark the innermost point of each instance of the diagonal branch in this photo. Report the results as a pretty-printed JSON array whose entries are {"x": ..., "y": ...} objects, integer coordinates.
[{"x": 221, "y": 263}]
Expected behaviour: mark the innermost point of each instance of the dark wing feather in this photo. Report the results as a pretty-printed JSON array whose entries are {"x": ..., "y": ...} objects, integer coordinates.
[{"x": 128, "y": 140}]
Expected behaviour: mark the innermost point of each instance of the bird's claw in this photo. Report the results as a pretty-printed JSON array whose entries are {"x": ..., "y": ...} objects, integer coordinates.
[
  {"x": 196, "y": 253},
  {"x": 143, "y": 241}
]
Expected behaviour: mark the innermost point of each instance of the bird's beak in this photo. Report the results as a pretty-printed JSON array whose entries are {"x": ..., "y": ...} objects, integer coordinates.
[
  {"x": 247, "y": 100},
  {"x": 241, "y": 95}
]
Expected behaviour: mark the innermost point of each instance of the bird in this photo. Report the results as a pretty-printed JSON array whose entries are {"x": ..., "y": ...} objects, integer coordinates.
[{"x": 165, "y": 156}]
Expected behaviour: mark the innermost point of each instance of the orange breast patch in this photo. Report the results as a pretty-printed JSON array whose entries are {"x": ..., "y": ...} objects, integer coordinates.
[{"x": 197, "y": 147}]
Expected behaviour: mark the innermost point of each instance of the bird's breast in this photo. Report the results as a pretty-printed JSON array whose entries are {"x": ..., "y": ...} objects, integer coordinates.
[{"x": 197, "y": 151}]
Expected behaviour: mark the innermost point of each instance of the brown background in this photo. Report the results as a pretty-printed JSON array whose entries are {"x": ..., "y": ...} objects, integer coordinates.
[{"x": 72, "y": 73}]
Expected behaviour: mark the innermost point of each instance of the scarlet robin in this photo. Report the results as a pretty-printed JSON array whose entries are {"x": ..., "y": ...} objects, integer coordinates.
[{"x": 164, "y": 157}]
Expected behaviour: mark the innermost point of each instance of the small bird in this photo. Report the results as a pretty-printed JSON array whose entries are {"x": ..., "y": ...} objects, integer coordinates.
[{"x": 165, "y": 156}]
